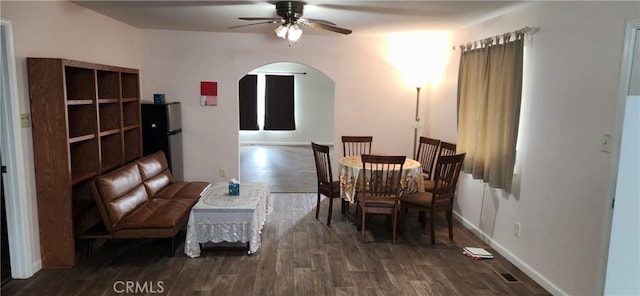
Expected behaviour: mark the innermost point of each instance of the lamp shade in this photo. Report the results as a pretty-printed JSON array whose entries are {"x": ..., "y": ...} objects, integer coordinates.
[
  {"x": 294, "y": 33},
  {"x": 281, "y": 30}
]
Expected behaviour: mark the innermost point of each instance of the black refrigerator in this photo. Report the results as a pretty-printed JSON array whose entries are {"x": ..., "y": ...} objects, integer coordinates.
[{"x": 162, "y": 130}]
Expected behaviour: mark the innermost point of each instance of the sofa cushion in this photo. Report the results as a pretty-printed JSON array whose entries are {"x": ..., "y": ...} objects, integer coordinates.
[
  {"x": 182, "y": 190},
  {"x": 157, "y": 213},
  {"x": 122, "y": 192},
  {"x": 155, "y": 172}
]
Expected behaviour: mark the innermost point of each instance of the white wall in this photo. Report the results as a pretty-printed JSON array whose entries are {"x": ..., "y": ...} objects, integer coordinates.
[
  {"x": 561, "y": 194},
  {"x": 370, "y": 99},
  {"x": 61, "y": 30},
  {"x": 313, "y": 102}
]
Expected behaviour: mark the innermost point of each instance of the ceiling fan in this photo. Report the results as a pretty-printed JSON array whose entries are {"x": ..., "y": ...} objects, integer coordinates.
[{"x": 290, "y": 13}]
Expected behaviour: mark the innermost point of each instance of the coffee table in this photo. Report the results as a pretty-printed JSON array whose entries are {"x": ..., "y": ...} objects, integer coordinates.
[{"x": 219, "y": 217}]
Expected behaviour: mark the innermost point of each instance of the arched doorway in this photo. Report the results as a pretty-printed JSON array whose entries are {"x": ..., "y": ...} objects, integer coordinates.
[{"x": 283, "y": 158}]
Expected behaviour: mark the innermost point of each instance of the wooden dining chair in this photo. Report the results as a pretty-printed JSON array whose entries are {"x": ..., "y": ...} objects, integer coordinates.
[
  {"x": 426, "y": 155},
  {"x": 381, "y": 188},
  {"x": 441, "y": 198},
  {"x": 445, "y": 149},
  {"x": 326, "y": 185},
  {"x": 353, "y": 145}
]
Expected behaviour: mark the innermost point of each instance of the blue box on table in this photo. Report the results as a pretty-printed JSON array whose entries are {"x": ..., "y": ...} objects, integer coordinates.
[
  {"x": 158, "y": 99},
  {"x": 234, "y": 188}
]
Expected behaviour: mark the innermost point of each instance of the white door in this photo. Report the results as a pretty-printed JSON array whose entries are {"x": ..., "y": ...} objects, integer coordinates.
[{"x": 623, "y": 265}]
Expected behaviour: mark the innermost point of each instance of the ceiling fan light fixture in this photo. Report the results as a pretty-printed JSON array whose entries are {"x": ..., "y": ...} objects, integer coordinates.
[
  {"x": 294, "y": 33},
  {"x": 282, "y": 30},
  {"x": 290, "y": 20}
]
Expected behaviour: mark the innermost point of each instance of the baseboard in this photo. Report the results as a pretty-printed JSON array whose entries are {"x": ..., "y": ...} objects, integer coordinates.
[
  {"x": 281, "y": 144},
  {"x": 528, "y": 270}
]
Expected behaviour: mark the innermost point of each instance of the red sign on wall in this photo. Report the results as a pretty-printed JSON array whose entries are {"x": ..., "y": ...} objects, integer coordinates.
[{"x": 208, "y": 93}]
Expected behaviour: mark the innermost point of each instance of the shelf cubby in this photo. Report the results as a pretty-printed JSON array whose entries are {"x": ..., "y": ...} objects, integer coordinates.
[
  {"x": 132, "y": 144},
  {"x": 84, "y": 156},
  {"x": 108, "y": 84},
  {"x": 111, "y": 146},
  {"x": 85, "y": 213},
  {"x": 109, "y": 116},
  {"x": 130, "y": 85},
  {"x": 81, "y": 120},
  {"x": 80, "y": 83},
  {"x": 130, "y": 113}
]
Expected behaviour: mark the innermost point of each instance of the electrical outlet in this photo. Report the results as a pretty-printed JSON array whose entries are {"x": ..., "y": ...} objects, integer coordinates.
[
  {"x": 25, "y": 120},
  {"x": 516, "y": 229},
  {"x": 223, "y": 172}
]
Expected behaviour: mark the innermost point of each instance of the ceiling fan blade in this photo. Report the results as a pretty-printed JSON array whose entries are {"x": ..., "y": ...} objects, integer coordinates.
[
  {"x": 260, "y": 18},
  {"x": 305, "y": 20},
  {"x": 260, "y": 23},
  {"x": 328, "y": 27}
]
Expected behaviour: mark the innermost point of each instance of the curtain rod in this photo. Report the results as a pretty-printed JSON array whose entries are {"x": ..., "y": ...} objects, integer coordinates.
[
  {"x": 491, "y": 40},
  {"x": 278, "y": 72}
]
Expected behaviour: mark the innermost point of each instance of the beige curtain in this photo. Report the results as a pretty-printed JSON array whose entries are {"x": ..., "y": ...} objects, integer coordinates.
[{"x": 489, "y": 92}]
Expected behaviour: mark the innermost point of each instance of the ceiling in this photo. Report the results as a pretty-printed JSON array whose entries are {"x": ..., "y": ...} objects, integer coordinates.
[{"x": 363, "y": 17}]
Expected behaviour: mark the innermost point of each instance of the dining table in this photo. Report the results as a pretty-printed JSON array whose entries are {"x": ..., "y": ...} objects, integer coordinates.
[{"x": 351, "y": 177}]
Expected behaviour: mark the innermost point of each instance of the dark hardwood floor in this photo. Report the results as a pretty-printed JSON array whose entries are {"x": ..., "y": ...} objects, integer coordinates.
[{"x": 299, "y": 256}]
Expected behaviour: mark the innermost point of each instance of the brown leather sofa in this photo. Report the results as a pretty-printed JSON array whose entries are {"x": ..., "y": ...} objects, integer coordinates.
[{"x": 141, "y": 200}]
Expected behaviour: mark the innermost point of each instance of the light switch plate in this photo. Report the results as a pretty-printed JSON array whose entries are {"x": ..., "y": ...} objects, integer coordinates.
[
  {"x": 605, "y": 142},
  {"x": 25, "y": 120}
]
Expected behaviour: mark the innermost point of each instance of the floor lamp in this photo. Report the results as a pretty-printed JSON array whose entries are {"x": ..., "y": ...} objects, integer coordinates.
[{"x": 417, "y": 122}]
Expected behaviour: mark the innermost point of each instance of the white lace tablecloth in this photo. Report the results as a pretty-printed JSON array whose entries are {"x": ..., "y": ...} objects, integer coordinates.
[
  {"x": 219, "y": 217},
  {"x": 350, "y": 176}
]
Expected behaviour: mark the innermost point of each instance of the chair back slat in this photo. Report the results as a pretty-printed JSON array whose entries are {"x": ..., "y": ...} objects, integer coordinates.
[
  {"x": 446, "y": 176},
  {"x": 426, "y": 155},
  {"x": 382, "y": 175},
  {"x": 323, "y": 163},
  {"x": 447, "y": 149},
  {"x": 354, "y": 145}
]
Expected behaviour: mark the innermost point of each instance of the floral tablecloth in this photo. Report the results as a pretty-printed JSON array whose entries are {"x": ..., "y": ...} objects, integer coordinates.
[
  {"x": 350, "y": 176},
  {"x": 219, "y": 217}
]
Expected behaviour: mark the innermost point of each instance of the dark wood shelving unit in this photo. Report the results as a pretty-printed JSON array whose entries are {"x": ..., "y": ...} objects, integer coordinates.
[{"x": 85, "y": 122}]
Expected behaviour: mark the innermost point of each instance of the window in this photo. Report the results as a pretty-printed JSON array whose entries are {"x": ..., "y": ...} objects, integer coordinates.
[{"x": 489, "y": 94}]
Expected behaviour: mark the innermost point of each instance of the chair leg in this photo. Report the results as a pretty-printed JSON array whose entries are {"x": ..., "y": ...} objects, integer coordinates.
[
  {"x": 449, "y": 219},
  {"x": 318, "y": 205},
  {"x": 395, "y": 219},
  {"x": 433, "y": 228},
  {"x": 330, "y": 210},
  {"x": 363, "y": 213},
  {"x": 173, "y": 246},
  {"x": 358, "y": 213},
  {"x": 403, "y": 211},
  {"x": 90, "y": 251},
  {"x": 422, "y": 218}
]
